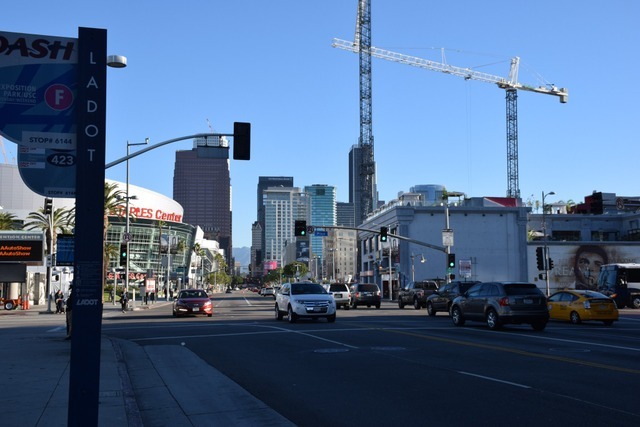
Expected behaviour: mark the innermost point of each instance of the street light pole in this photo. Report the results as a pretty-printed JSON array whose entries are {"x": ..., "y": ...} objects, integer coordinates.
[
  {"x": 126, "y": 227},
  {"x": 546, "y": 248},
  {"x": 413, "y": 268}
]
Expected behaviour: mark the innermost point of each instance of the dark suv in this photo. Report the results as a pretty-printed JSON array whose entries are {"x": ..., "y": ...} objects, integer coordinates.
[
  {"x": 365, "y": 294},
  {"x": 499, "y": 303},
  {"x": 441, "y": 299}
]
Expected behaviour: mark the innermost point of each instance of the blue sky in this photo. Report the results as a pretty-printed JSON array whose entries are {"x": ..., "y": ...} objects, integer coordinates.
[{"x": 271, "y": 63}]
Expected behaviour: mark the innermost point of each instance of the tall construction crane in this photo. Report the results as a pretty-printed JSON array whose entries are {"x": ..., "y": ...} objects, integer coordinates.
[
  {"x": 366, "y": 199},
  {"x": 510, "y": 84}
]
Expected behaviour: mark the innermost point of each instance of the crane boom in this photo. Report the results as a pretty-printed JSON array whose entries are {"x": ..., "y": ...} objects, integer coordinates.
[
  {"x": 510, "y": 84},
  {"x": 466, "y": 73}
]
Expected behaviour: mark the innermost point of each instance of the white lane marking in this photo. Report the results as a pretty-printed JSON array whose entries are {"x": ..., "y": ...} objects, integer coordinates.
[{"x": 494, "y": 379}]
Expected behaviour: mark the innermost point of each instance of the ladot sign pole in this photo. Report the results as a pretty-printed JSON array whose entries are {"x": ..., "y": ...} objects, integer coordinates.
[
  {"x": 53, "y": 106},
  {"x": 84, "y": 376}
]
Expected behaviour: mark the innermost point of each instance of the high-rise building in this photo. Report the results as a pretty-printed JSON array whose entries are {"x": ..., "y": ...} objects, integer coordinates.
[
  {"x": 355, "y": 184},
  {"x": 202, "y": 185},
  {"x": 322, "y": 211},
  {"x": 282, "y": 206},
  {"x": 345, "y": 214},
  {"x": 265, "y": 182}
]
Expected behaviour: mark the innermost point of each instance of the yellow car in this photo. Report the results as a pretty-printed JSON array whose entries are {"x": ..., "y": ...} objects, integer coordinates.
[{"x": 578, "y": 305}]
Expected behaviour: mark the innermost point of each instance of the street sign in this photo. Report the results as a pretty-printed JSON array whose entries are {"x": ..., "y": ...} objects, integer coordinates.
[
  {"x": 126, "y": 237},
  {"x": 39, "y": 77},
  {"x": 447, "y": 237},
  {"x": 322, "y": 233}
]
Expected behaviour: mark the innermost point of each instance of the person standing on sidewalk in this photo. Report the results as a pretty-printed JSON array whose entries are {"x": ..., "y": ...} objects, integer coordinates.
[
  {"x": 69, "y": 308},
  {"x": 124, "y": 300}
]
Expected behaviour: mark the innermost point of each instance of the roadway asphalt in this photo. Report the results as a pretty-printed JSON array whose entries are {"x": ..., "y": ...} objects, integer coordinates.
[{"x": 161, "y": 385}]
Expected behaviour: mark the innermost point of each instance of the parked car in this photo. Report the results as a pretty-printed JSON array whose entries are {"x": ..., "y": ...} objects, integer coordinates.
[
  {"x": 441, "y": 299},
  {"x": 192, "y": 301},
  {"x": 416, "y": 293},
  {"x": 499, "y": 303},
  {"x": 304, "y": 299},
  {"x": 365, "y": 294},
  {"x": 341, "y": 294},
  {"x": 577, "y": 305}
]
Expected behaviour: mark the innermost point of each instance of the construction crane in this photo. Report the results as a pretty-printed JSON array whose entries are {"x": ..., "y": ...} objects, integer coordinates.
[
  {"x": 366, "y": 199},
  {"x": 510, "y": 84}
]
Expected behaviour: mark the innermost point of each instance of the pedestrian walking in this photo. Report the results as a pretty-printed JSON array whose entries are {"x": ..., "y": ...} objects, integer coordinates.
[
  {"x": 68, "y": 311},
  {"x": 124, "y": 300}
]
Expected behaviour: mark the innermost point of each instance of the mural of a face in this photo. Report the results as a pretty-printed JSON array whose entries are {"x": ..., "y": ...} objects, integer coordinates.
[{"x": 588, "y": 260}]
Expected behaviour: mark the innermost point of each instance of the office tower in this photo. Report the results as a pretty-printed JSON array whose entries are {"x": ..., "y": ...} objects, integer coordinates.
[
  {"x": 345, "y": 214},
  {"x": 282, "y": 206},
  {"x": 201, "y": 184},
  {"x": 322, "y": 211},
  {"x": 265, "y": 182}
]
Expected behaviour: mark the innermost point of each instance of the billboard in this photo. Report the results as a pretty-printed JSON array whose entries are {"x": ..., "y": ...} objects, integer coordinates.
[
  {"x": 21, "y": 247},
  {"x": 578, "y": 266}
]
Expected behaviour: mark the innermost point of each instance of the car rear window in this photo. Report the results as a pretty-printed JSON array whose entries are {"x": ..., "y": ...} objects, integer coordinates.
[
  {"x": 368, "y": 288},
  {"x": 337, "y": 287},
  {"x": 522, "y": 289}
]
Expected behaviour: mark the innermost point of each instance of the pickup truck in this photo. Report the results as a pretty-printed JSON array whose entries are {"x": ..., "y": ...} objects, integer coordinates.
[{"x": 416, "y": 293}]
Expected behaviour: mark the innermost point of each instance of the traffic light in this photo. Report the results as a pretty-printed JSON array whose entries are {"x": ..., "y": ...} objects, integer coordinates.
[
  {"x": 48, "y": 206},
  {"x": 383, "y": 234},
  {"x": 241, "y": 141},
  {"x": 540, "y": 258},
  {"x": 123, "y": 254},
  {"x": 451, "y": 260},
  {"x": 550, "y": 264},
  {"x": 300, "y": 228}
]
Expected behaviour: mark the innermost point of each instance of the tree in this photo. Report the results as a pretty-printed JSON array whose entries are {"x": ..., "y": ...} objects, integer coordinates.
[
  {"x": 295, "y": 269},
  {"x": 8, "y": 221},
  {"x": 60, "y": 221}
]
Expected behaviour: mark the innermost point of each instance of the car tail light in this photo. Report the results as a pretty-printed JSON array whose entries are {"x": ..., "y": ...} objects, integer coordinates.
[
  {"x": 357, "y": 294},
  {"x": 207, "y": 303},
  {"x": 504, "y": 301},
  {"x": 420, "y": 294}
]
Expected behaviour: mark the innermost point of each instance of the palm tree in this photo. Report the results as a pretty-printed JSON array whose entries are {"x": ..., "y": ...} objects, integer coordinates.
[
  {"x": 8, "y": 221},
  {"x": 112, "y": 202},
  {"x": 59, "y": 221},
  {"x": 51, "y": 224}
]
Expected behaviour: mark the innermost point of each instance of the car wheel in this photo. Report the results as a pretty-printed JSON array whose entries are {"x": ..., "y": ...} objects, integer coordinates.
[
  {"x": 430, "y": 310},
  {"x": 209, "y": 315},
  {"x": 635, "y": 301},
  {"x": 291, "y": 316},
  {"x": 575, "y": 318},
  {"x": 539, "y": 326},
  {"x": 331, "y": 318},
  {"x": 378, "y": 305},
  {"x": 9, "y": 305},
  {"x": 416, "y": 304},
  {"x": 354, "y": 305},
  {"x": 278, "y": 313},
  {"x": 175, "y": 314},
  {"x": 347, "y": 306},
  {"x": 400, "y": 303},
  {"x": 456, "y": 316},
  {"x": 493, "y": 321}
]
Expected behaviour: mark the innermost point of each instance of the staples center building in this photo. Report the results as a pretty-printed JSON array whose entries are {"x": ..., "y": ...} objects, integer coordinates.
[{"x": 155, "y": 226}]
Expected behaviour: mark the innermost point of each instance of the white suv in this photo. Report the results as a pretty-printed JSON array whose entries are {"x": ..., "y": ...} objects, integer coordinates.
[
  {"x": 304, "y": 299},
  {"x": 341, "y": 294}
]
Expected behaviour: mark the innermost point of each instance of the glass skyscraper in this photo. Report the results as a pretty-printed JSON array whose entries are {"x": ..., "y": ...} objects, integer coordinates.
[{"x": 322, "y": 211}]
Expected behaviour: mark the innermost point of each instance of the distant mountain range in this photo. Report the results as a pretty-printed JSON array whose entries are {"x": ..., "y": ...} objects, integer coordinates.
[{"x": 243, "y": 256}]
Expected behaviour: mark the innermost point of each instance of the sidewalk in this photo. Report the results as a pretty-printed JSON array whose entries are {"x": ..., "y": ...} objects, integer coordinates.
[{"x": 139, "y": 385}]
